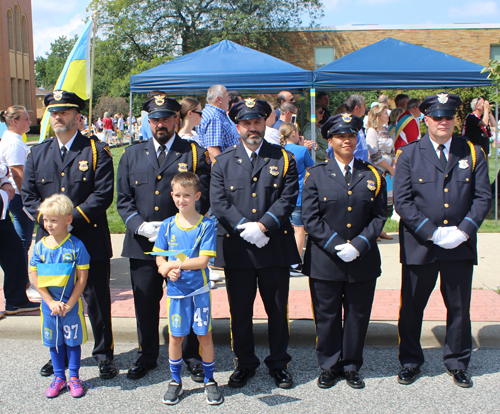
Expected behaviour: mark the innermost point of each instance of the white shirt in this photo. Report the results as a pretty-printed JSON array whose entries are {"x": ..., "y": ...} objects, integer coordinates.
[
  {"x": 342, "y": 166},
  {"x": 249, "y": 152},
  {"x": 13, "y": 152},
  {"x": 447, "y": 146}
]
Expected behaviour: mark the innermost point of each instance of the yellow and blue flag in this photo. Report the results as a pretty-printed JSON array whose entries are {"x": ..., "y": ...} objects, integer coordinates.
[
  {"x": 179, "y": 254},
  {"x": 54, "y": 274},
  {"x": 75, "y": 76}
]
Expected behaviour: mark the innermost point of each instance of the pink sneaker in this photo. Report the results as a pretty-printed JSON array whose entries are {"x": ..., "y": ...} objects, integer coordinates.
[
  {"x": 75, "y": 387},
  {"x": 55, "y": 387}
]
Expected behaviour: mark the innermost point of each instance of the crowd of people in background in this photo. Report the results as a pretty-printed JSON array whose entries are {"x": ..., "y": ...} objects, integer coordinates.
[{"x": 261, "y": 186}]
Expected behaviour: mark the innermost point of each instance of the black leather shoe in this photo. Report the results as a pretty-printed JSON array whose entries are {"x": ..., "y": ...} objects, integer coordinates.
[
  {"x": 139, "y": 369},
  {"x": 408, "y": 375},
  {"x": 327, "y": 379},
  {"x": 240, "y": 377},
  {"x": 107, "y": 369},
  {"x": 353, "y": 379},
  {"x": 282, "y": 377},
  {"x": 197, "y": 372},
  {"x": 461, "y": 377},
  {"x": 48, "y": 369}
]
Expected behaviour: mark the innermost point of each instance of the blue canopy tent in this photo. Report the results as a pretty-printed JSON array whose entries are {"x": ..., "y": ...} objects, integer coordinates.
[
  {"x": 393, "y": 64},
  {"x": 230, "y": 64}
]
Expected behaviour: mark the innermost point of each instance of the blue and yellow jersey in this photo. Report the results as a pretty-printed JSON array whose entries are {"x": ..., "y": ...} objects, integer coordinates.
[
  {"x": 56, "y": 267},
  {"x": 200, "y": 238}
]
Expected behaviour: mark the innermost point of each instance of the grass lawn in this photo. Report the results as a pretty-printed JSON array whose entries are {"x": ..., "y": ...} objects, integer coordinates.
[{"x": 116, "y": 224}]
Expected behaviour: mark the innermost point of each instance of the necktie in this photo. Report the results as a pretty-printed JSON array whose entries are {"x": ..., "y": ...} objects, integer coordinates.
[
  {"x": 254, "y": 157},
  {"x": 442, "y": 157},
  {"x": 161, "y": 157},
  {"x": 347, "y": 174},
  {"x": 64, "y": 151}
]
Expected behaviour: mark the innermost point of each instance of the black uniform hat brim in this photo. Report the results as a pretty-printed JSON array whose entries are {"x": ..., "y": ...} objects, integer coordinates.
[
  {"x": 161, "y": 113},
  {"x": 62, "y": 107},
  {"x": 441, "y": 111},
  {"x": 345, "y": 129}
]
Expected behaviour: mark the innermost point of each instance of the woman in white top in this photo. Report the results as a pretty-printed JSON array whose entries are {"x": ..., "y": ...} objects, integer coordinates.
[
  {"x": 13, "y": 153},
  {"x": 381, "y": 146},
  {"x": 190, "y": 115}
]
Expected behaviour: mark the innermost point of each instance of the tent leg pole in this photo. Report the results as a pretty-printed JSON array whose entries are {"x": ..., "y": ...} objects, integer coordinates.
[
  {"x": 496, "y": 162},
  {"x": 130, "y": 127},
  {"x": 313, "y": 123},
  {"x": 302, "y": 98}
]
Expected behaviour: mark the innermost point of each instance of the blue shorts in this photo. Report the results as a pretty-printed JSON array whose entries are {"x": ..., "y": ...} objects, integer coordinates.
[
  {"x": 195, "y": 312},
  {"x": 59, "y": 330},
  {"x": 296, "y": 217}
]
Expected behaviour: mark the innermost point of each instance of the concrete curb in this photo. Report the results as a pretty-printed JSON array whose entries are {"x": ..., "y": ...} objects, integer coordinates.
[{"x": 302, "y": 332}]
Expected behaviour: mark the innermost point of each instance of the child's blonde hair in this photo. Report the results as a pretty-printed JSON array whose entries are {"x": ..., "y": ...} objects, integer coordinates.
[
  {"x": 56, "y": 205},
  {"x": 286, "y": 129},
  {"x": 186, "y": 179}
]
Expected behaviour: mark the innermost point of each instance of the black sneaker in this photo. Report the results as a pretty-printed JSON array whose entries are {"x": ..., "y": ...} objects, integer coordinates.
[
  {"x": 27, "y": 307},
  {"x": 214, "y": 396},
  {"x": 174, "y": 390}
]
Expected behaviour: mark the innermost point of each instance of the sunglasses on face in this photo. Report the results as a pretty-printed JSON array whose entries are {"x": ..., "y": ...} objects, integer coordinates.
[
  {"x": 321, "y": 112},
  {"x": 440, "y": 118},
  {"x": 197, "y": 112}
]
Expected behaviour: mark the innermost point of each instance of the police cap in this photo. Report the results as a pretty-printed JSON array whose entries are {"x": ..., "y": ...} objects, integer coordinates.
[
  {"x": 341, "y": 124},
  {"x": 62, "y": 101},
  {"x": 249, "y": 108},
  {"x": 440, "y": 104},
  {"x": 159, "y": 106}
]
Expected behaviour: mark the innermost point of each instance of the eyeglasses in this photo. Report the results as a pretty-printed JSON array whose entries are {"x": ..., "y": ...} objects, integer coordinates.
[
  {"x": 196, "y": 112},
  {"x": 440, "y": 118},
  {"x": 321, "y": 112}
]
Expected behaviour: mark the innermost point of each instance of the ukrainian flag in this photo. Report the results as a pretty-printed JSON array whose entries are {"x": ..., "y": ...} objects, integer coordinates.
[
  {"x": 54, "y": 274},
  {"x": 179, "y": 254},
  {"x": 75, "y": 76}
]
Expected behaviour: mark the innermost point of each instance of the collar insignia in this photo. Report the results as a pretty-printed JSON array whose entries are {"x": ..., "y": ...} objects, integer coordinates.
[
  {"x": 159, "y": 100},
  {"x": 346, "y": 117},
  {"x": 442, "y": 98},
  {"x": 58, "y": 95},
  {"x": 250, "y": 102}
]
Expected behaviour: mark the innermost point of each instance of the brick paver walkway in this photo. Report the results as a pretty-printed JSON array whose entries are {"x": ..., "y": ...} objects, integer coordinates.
[{"x": 485, "y": 305}]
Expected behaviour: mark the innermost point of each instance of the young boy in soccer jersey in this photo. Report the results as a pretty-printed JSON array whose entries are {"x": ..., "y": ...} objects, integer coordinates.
[
  {"x": 59, "y": 269},
  {"x": 188, "y": 284}
]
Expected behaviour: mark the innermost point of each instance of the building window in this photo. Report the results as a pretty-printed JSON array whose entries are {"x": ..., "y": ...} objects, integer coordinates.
[
  {"x": 17, "y": 12},
  {"x": 495, "y": 52},
  {"x": 323, "y": 56},
  {"x": 10, "y": 27},
  {"x": 13, "y": 91},
  {"x": 27, "y": 95},
  {"x": 20, "y": 92},
  {"x": 25, "y": 35}
]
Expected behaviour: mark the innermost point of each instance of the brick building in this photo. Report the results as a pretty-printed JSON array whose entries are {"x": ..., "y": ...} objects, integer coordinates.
[
  {"x": 313, "y": 48},
  {"x": 17, "y": 63}
]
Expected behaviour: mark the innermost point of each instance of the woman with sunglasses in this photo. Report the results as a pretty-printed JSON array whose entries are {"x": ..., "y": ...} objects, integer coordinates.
[
  {"x": 322, "y": 143},
  {"x": 190, "y": 115}
]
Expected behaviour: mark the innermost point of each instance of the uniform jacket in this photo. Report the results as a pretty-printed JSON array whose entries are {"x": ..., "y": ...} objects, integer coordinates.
[
  {"x": 335, "y": 213},
  {"x": 426, "y": 197},
  {"x": 144, "y": 188},
  {"x": 86, "y": 176},
  {"x": 266, "y": 193}
]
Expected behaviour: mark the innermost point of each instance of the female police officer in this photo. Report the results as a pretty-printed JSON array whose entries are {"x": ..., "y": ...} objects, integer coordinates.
[{"x": 344, "y": 210}]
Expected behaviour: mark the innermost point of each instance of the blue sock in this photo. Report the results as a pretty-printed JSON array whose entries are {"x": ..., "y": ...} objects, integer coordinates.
[
  {"x": 175, "y": 369},
  {"x": 209, "y": 368},
  {"x": 58, "y": 360},
  {"x": 74, "y": 357}
]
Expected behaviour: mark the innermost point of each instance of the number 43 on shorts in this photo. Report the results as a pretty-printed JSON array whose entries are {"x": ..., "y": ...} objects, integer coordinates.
[{"x": 201, "y": 316}]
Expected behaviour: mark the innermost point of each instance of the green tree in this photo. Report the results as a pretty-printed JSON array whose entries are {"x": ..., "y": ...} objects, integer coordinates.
[{"x": 48, "y": 69}]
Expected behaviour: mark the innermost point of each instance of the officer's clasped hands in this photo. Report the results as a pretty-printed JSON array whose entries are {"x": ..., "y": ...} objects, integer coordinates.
[
  {"x": 149, "y": 230},
  {"x": 347, "y": 252},
  {"x": 253, "y": 234},
  {"x": 453, "y": 239}
]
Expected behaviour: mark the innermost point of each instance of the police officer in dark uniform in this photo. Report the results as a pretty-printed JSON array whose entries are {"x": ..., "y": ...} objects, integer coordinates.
[
  {"x": 82, "y": 169},
  {"x": 344, "y": 208},
  {"x": 144, "y": 201},
  {"x": 442, "y": 194},
  {"x": 253, "y": 192}
]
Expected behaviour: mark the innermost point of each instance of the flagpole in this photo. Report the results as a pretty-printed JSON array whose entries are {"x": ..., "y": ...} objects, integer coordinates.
[{"x": 94, "y": 18}]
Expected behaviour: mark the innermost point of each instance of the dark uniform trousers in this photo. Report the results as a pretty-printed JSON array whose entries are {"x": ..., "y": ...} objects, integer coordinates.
[
  {"x": 266, "y": 192},
  {"x": 144, "y": 195},
  {"x": 426, "y": 196},
  {"x": 86, "y": 177},
  {"x": 335, "y": 213}
]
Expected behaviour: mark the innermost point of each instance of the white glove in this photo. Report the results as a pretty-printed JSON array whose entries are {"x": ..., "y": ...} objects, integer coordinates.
[
  {"x": 149, "y": 229},
  {"x": 262, "y": 241},
  {"x": 453, "y": 239},
  {"x": 441, "y": 232},
  {"x": 251, "y": 232},
  {"x": 347, "y": 252}
]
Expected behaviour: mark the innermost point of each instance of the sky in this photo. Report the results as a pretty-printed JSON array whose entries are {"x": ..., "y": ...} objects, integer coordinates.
[{"x": 54, "y": 18}]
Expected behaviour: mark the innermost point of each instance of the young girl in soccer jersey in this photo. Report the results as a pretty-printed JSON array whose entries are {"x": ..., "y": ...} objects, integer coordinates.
[
  {"x": 59, "y": 268},
  {"x": 188, "y": 284}
]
